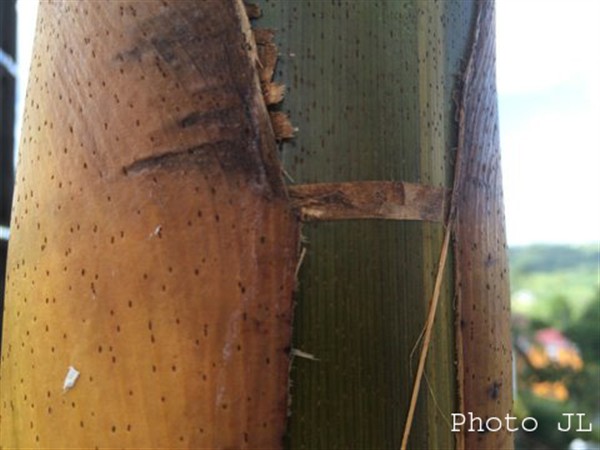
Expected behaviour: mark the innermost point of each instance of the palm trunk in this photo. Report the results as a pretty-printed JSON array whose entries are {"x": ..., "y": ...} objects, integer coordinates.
[{"x": 155, "y": 249}]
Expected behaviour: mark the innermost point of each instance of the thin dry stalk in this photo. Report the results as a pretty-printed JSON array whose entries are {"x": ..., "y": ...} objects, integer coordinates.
[{"x": 427, "y": 336}]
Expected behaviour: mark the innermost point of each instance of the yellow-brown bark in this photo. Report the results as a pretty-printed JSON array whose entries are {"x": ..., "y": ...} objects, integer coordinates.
[{"x": 152, "y": 247}]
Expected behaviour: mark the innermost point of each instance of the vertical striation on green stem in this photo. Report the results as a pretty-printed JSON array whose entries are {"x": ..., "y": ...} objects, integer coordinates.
[{"x": 370, "y": 87}]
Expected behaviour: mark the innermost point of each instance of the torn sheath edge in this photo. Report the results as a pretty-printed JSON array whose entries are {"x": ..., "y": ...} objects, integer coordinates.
[
  {"x": 392, "y": 200},
  {"x": 252, "y": 10}
]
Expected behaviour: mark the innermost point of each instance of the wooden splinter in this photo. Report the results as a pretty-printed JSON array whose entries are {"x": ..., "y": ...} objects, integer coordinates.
[{"x": 394, "y": 200}]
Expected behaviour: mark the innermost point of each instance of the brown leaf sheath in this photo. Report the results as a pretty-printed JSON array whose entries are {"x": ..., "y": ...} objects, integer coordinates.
[
  {"x": 153, "y": 248},
  {"x": 483, "y": 328},
  {"x": 395, "y": 200}
]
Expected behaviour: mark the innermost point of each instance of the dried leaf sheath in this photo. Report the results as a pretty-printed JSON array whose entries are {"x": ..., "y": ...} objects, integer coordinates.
[
  {"x": 481, "y": 278},
  {"x": 153, "y": 249},
  {"x": 368, "y": 200}
]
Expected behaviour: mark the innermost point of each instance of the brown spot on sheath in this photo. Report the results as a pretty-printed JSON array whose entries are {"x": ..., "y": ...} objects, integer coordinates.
[
  {"x": 393, "y": 200},
  {"x": 494, "y": 390}
]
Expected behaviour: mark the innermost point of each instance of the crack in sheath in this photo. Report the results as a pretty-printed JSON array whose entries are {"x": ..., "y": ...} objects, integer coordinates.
[{"x": 199, "y": 156}]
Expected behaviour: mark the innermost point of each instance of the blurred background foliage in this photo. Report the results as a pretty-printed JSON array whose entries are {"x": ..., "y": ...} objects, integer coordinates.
[{"x": 556, "y": 334}]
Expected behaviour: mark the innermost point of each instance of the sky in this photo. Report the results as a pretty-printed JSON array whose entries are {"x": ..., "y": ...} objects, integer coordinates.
[{"x": 548, "y": 75}]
